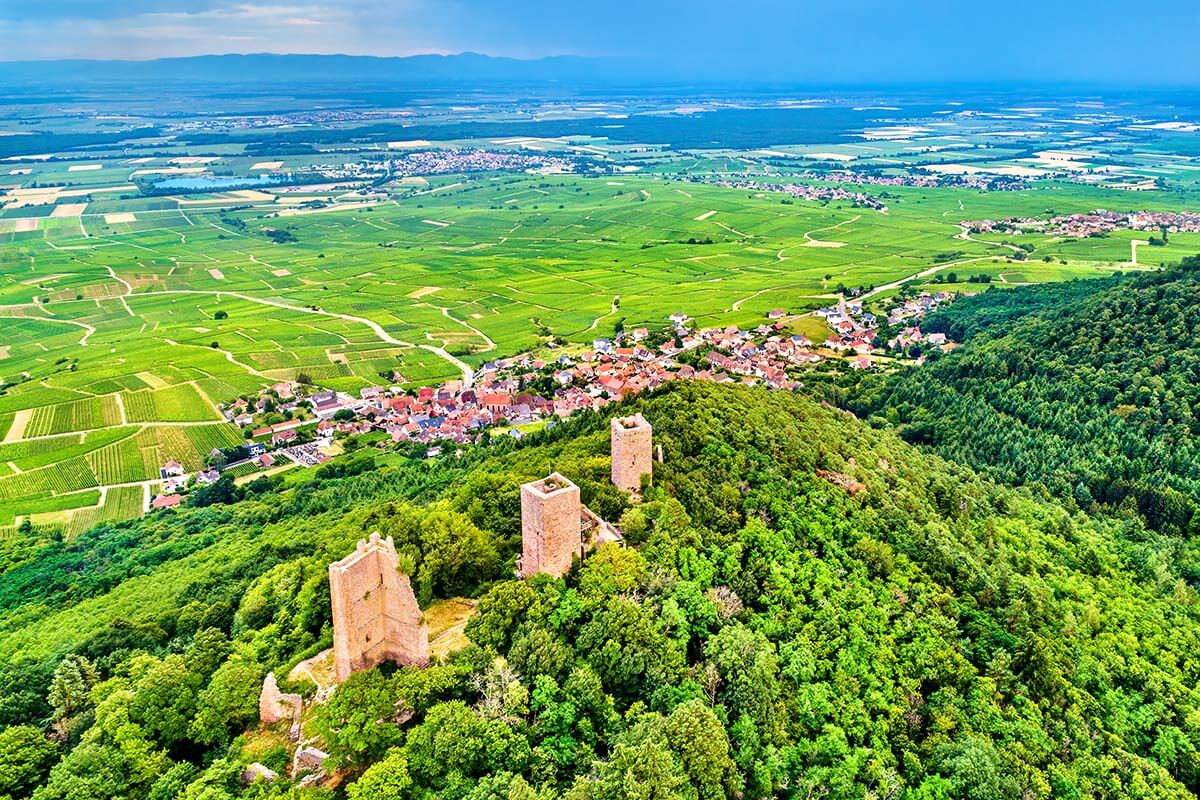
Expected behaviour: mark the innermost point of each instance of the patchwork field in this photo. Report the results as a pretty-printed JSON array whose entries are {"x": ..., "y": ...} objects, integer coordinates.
[{"x": 127, "y": 322}]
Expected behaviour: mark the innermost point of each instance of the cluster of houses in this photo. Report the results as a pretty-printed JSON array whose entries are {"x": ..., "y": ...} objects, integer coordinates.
[
  {"x": 456, "y": 160},
  {"x": 352, "y": 171},
  {"x": 438, "y": 162},
  {"x": 284, "y": 119},
  {"x": 523, "y": 389},
  {"x": 912, "y": 336},
  {"x": 753, "y": 356},
  {"x": 513, "y": 392},
  {"x": 820, "y": 193},
  {"x": 913, "y": 308},
  {"x": 1081, "y": 226},
  {"x": 270, "y": 444},
  {"x": 987, "y": 183},
  {"x": 506, "y": 393},
  {"x": 805, "y": 192},
  {"x": 175, "y": 478},
  {"x": 853, "y": 329}
]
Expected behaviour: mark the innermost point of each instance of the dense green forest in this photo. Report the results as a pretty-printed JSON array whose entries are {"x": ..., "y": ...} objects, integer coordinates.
[
  {"x": 1090, "y": 388},
  {"x": 808, "y": 607}
]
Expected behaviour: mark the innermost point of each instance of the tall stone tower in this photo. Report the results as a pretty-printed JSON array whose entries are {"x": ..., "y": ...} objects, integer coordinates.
[
  {"x": 375, "y": 613},
  {"x": 632, "y": 452},
  {"x": 551, "y": 529}
]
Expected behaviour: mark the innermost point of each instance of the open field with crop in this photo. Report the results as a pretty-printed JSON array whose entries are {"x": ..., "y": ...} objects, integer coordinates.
[
  {"x": 969, "y": 571},
  {"x": 124, "y": 326}
]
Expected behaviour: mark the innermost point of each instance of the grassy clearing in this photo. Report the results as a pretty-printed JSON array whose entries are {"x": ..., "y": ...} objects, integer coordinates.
[{"x": 447, "y": 620}]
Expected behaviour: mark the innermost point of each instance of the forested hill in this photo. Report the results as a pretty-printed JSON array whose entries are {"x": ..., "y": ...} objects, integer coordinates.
[
  {"x": 1090, "y": 388},
  {"x": 808, "y": 607}
]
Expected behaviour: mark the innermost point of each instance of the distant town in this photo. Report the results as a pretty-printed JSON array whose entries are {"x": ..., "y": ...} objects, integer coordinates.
[
  {"x": 436, "y": 161},
  {"x": 819, "y": 191},
  {"x": 807, "y": 192},
  {"x": 1097, "y": 223}
]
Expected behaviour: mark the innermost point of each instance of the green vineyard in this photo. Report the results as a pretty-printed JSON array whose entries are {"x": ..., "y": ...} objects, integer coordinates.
[
  {"x": 77, "y": 415},
  {"x": 182, "y": 403}
]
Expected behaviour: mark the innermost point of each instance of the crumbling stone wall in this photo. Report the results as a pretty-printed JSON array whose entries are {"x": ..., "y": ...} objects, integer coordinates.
[
  {"x": 274, "y": 705},
  {"x": 375, "y": 613}
]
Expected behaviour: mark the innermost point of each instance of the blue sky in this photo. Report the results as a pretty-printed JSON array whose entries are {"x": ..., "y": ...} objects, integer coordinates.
[{"x": 832, "y": 41}]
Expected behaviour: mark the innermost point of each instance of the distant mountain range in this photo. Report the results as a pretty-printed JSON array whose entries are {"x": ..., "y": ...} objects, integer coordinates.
[{"x": 271, "y": 67}]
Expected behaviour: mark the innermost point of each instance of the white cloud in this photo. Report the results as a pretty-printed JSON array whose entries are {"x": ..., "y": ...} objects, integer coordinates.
[{"x": 402, "y": 28}]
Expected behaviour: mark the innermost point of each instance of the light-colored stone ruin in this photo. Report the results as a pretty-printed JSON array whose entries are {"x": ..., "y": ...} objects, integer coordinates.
[
  {"x": 376, "y": 616},
  {"x": 632, "y": 440},
  {"x": 274, "y": 705},
  {"x": 256, "y": 772},
  {"x": 375, "y": 613},
  {"x": 309, "y": 762},
  {"x": 550, "y": 530},
  {"x": 556, "y": 527}
]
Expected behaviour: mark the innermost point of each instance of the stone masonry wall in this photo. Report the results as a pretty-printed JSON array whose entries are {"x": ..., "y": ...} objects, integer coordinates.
[
  {"x": 375, "y": 613},
  {"x": 632, "y": 441},
  {"x": 550, "y": 526},
  {"x": 274, "y": 705}
]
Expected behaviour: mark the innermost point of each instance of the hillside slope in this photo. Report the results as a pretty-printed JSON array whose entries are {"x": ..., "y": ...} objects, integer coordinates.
[
  {"x": 773, "y": 629},
  {"x": 1090, "y": 388}
]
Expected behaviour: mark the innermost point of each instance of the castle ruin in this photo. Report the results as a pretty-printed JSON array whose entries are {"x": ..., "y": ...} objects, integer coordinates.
[
  {"x": 274, "y": 705},
  {"x": 632, "y": 441},
  {"x": 556, "y": 527},
  {"x": 375, "y": 613}
]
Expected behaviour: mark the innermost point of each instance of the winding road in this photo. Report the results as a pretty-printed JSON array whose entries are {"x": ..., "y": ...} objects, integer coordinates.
[
  {"x": 925, "y": 273},
  {"x": 468, "y": 373},
  {"x": 809, "y": 234}
]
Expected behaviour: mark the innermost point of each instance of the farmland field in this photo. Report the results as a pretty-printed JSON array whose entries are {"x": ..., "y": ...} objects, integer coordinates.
[
  {"x": 78, "y": 415},
  {"x": 128, "y": 315},
  {"x": 905, "y": 305},
  {"x": 181, "y": 403}
]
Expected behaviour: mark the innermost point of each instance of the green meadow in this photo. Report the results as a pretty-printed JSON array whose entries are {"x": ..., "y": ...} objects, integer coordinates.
[{"x": 125, "y": 326}]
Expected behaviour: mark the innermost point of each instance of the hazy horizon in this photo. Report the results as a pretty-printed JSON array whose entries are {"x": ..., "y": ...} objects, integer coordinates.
[{"x": 853, "y": 41}]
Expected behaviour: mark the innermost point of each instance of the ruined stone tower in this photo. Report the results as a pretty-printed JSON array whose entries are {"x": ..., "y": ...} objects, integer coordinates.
[
  {"x": 375, "y": 613},
  {"x": 551, "y": 528},
  {"x": 274, "y": 705},
  {"x": 632, "y": 451}
]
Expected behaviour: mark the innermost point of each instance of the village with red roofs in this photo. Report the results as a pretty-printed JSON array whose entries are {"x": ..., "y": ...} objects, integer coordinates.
[{"x": 510, "y": 396}]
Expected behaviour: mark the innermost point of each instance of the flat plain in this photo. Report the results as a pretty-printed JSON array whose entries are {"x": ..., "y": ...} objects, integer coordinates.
[{"x": 127, "y": 317}]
